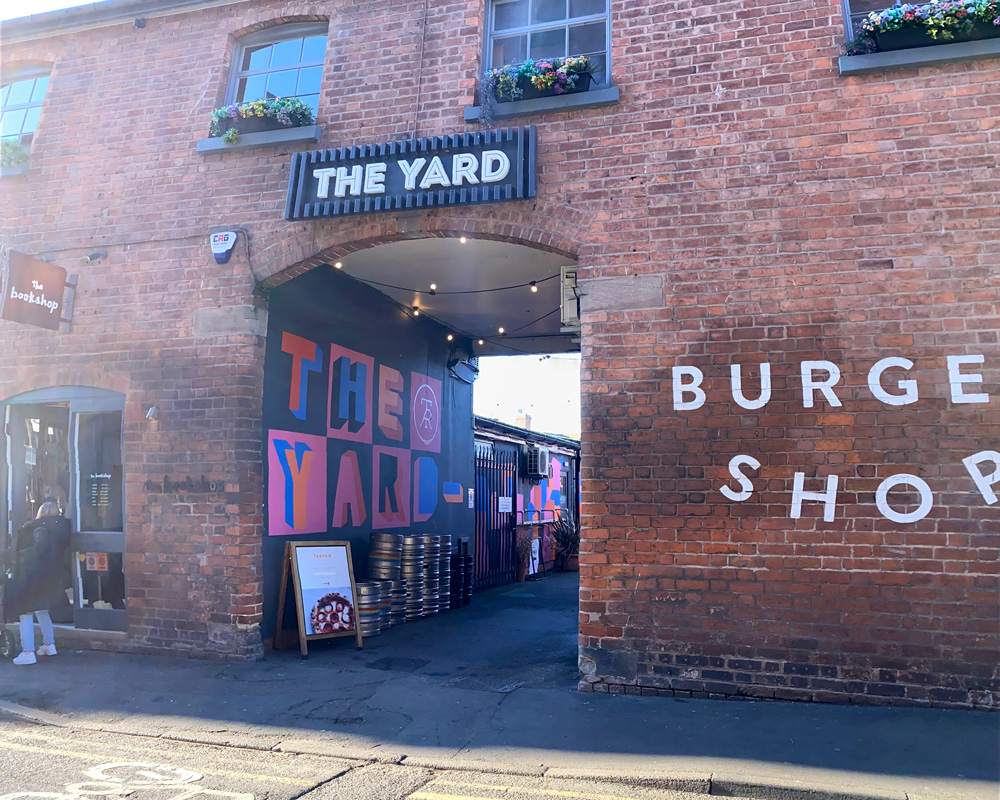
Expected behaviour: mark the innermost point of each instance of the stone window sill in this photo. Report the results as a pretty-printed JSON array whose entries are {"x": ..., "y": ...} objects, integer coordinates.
[
  {"x": 304, "y": 133},
  {"x": 595, "y": 98},
  {"x": 920, "y": 57},
  {"x": 19, "y": 169}
]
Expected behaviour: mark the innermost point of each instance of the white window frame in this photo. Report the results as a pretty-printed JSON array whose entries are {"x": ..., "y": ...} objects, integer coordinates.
[
  {"x": 845, "y": 6},
  {"x": 23, "y": 74},
  {"x": 279, "y": 33},
  {"x": 548, "y": 26}
]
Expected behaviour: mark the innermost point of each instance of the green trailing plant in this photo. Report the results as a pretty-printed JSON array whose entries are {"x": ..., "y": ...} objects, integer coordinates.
[
  {"x": 232, "y": 136},
  {"x": 942, "y": 21},
  {"x": 12, "y": 153},
  {"x": 288, "y": 111}
]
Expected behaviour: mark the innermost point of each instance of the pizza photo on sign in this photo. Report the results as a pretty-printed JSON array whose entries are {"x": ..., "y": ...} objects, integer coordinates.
[
  {"x": 332, "y": 613},
  {"x": 328, "y": 611}
]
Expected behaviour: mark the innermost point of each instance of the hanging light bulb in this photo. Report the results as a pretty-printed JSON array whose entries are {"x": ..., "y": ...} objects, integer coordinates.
[
  {"x": 462, "y": 239},
  {"x": 450, "y": 337},
  {"x": 434, "y": 287},
  {"x": 500, "y": 331},
  {"x": 534, "y": 286},
  {"x": 416, "y": 311},
  {"x": 339, "y": 265},
  {"x": 481, "y": 342}
]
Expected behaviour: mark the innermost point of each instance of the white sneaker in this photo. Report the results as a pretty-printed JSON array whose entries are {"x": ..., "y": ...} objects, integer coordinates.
[
  {"x": 27, "y": 657},
  {"x": 47, "y": 650}
]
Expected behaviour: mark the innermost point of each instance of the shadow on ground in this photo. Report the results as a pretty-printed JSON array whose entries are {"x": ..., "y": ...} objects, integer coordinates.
[{"x": 496, "y": 682}]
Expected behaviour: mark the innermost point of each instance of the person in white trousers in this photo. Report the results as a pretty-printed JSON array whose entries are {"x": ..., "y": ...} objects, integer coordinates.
[{"x": 40, "y": 573}]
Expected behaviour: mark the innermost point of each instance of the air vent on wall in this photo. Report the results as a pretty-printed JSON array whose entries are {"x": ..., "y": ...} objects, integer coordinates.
[{"x": 536, "y": 462}]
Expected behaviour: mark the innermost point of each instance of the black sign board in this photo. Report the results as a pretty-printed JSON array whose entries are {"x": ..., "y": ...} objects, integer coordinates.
[
  {"x": 461, "y": 169},
  {"x": 33, "y": 292}
]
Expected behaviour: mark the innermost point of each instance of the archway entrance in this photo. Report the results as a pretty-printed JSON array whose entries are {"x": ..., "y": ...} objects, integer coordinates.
[{"x": 370, "y": 436}]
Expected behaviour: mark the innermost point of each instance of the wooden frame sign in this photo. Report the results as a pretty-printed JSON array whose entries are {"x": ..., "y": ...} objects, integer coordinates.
[{"x": 324, "y": 592}]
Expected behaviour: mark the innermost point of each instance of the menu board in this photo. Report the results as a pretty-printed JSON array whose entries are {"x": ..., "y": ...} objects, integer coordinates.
[
  {"x": 99, "y": 453},
  {"x": 323, "y": 589}
]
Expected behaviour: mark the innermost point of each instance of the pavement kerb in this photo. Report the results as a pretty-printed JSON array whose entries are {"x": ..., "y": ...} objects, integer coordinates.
[{"x": 711, "y": 784}]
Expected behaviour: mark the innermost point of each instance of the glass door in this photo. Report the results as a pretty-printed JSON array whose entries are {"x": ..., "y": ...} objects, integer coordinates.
[{"x": 97, "y": 499}]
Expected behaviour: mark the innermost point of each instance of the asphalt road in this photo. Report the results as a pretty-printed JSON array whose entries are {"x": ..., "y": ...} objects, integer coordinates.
[{"x": 47, "y": 763}]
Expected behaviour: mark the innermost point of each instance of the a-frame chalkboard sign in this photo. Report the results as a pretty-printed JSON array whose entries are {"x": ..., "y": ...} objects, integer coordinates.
[{"x": 323, "y": 591}]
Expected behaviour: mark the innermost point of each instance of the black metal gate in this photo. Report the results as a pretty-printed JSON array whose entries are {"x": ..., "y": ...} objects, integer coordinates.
[{"x": 496, "y": 477}]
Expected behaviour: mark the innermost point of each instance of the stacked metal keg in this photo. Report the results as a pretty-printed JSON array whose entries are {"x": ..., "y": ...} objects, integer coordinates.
[
  {"x": 368, "y": 606},
  {"x": 467, "y": 573},
  {"x": 432, "y": 574},
  {"x": 396, "y": 592},
  {"x": 412, "y": 571},
  {"x": 444, "y": 593},
  {"x": 384, "y": 556}
]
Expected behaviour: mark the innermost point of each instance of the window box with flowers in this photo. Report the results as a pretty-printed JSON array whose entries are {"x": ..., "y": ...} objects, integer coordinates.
[
  {"x": 913, "y": 35},
  {"x": 907, "y": 25},
  {"x": 534, "y": 80},
  {"x": 253, "y": 123},
  {"x": 13, "y": 157}
]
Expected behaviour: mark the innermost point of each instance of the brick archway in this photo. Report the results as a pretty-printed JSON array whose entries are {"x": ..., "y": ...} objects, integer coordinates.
[{"x": 552, "y": 229}]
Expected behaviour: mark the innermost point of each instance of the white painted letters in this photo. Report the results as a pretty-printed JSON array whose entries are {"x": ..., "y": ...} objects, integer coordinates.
[
  {"x": 410, "y": 171},
  {"x": 984, "y": 482},
  {"x": 765, "y": 387},
  {"x": 909, "y": 387},
  {"x": 956, "y": 379},
  {"x": 345, "y": 181},
  {"x": 694, "y": 387},
  {"x": 746, "y": 488},
  {"x": 882, "y": 498},
  {"x": 375, "y": 178},
  {"x": 496, "y": 165},
  {"x": 435, "y": 175},
  {"x": 323, "y": 181},
  {"x": 828, "y": 498},
  {"x": 463, "y": 168},
  {"x": 809, "y": 385}
]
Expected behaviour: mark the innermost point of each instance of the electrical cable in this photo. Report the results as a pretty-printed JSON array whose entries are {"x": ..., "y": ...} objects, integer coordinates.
[
  {"x": 544, "y": 316},
  {"x": 467, "y": 291}
]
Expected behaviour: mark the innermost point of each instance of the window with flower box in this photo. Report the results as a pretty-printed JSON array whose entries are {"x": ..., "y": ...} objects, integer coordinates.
[
  {"x": 874, "y": 27},
  {"x": 279, "y": 62},
  {"x": 540, "y": 29},
  {"x": 21, "y": 99}
]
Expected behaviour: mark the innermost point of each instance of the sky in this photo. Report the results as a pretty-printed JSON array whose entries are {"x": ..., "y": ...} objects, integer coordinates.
[
  {"x": 10, "y": 9},
  {"x": 545, "y": 387}
]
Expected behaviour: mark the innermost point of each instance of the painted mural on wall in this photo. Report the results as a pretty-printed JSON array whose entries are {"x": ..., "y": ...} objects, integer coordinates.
[
  {"x": 542, "y": 501},
  {"x": 364, "y": 429},
  {"x": 404, "y": 485}
]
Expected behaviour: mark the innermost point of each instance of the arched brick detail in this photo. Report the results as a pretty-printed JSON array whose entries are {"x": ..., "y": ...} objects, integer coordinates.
[
  {"x": 544, "y": 227},
  {"x": 256, "y": 19}
]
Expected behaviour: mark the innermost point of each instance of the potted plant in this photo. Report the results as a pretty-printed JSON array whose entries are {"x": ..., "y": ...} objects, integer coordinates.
[
  {"x": 566, "y": 534},
  {"x": 12, "y": 153},
  {"x": 545, "y": 77},
  {"x": 523, "y": 553},
  {"x": 256, "y": 116},
  {"x": 918, "y": 25}
]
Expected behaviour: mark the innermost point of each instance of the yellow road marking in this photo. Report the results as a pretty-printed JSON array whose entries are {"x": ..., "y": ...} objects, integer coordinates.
[
  {"x": 425, "y": 795},
  {"x": 6, "y": 743},
  {"x": 531, "y": 790}
]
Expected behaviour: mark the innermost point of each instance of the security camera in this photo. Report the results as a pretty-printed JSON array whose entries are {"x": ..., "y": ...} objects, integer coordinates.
[{"x": 96, "y": 255}]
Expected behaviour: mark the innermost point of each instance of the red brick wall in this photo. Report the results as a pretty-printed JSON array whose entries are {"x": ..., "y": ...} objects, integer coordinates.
[{"x": 769, "y": 210}]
